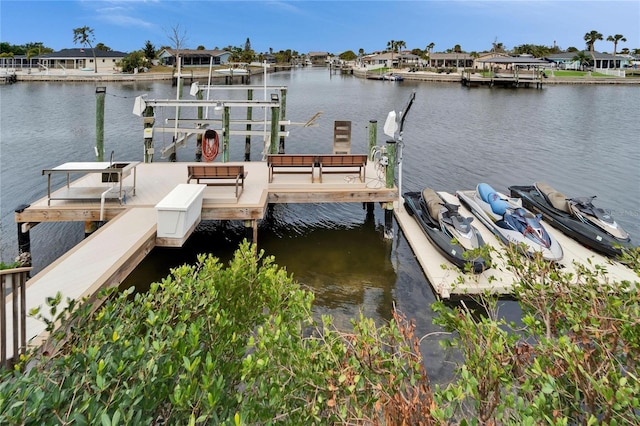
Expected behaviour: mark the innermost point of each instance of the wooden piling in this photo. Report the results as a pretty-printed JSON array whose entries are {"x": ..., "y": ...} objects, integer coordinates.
[
  {"x": 373, "y": 134},
  {"x": 100, "y": 94},
  {"x": 247, "y": 140},
  {"x": 225, "y": 134},
  {"x": 275, "y": 113},
  {"x": 148, "y": 122},
  {"x": 199, "y": 96},
  {"x": 283, "y": 113}
]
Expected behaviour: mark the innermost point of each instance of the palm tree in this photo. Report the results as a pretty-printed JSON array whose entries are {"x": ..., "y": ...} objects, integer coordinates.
[
  {"x": 581, "y": 58},
  {"x": 615, "y": 39},
  {"x": 391, "y": 45},
  {"x": 84, "y": 36},
  {"x": 591, "y": 38},
  {"x": 399, "y": 46}
]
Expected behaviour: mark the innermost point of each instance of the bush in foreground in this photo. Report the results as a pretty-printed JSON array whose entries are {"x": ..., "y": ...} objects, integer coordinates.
[{"x": 238, "y": 345}]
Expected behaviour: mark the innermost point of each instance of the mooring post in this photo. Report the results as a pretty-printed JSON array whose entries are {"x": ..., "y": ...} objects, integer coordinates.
[
  {"x": 100, "y": 94},
  {"x": 247, "y": 139},
  {"x": 199, "y": 135},
  {"x": 225, "y": 135},
  {"x": 275, "y": 113},
  {"x": 283, "y": 113},
  {"x": 148, "y": 121},
  {"x": 373, "y": 134},
  {"x": 389, "y": 183},
  {"x": 24, "y": 240}
]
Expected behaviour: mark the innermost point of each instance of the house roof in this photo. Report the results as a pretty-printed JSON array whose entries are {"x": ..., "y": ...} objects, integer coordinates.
[
  {"x": 571, "y": 55},
  {"x": 452, "y": 56},
  {"x": 517, "y": 60},
  {"x": 83, "y": 53},
  {"x": 195, "y": 52}
]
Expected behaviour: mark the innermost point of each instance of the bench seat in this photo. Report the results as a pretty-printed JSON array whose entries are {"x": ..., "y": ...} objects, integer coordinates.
[
  {"x": 291, "y": 163},
  {"x": 218, "y": 175},
  {"x": 345, "y": 163}
]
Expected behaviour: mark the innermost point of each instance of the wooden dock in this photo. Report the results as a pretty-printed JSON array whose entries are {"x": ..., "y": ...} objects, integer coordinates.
[
  {"x": 130, "y": 232},
  {"x": 448, "y": 282}
]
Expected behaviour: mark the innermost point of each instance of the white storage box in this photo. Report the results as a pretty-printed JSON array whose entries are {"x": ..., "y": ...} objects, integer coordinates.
[{"x": 179, "y": 210}]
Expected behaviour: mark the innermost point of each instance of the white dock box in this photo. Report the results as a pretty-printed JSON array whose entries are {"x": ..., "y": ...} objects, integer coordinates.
[{"x": 179, "y": 210}]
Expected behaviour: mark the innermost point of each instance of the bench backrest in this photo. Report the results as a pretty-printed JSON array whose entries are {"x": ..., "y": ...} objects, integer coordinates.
[
  {"x": 215, "y": 170},
  {"x": 291, "y": 159},
  {"x": 343, "y": 160}
]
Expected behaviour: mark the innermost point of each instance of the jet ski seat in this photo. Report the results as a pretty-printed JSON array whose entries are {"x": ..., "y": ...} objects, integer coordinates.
[
  {"x": 557, "y": 199},
  {"x": 432, "y": 201},
  {"x": 491, "y": 197}
]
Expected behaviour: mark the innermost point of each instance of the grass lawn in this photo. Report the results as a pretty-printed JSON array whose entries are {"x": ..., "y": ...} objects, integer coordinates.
[{"x": 573, "y": 74}]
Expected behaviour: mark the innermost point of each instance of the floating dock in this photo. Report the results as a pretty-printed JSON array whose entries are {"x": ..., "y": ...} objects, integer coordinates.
[{"x": 447, "y": 280}]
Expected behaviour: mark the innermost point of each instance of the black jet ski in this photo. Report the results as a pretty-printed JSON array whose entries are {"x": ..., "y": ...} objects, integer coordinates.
[
  {"x": 450, "y": 232},
  {"x": 576, "y": 217}
]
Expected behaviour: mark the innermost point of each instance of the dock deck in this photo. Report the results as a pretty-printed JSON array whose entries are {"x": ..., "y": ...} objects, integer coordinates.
[
  {"x": 449, "y": 281},
  {"x": 131, "y": 229}
]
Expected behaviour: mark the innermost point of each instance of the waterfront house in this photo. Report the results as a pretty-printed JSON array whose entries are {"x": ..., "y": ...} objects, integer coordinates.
[
  {"x": 318, "y": 58},
  {"x": 194, "y": 58},
  {"x": 567, "y": 61},
  {"x": 82, "y": 59},
  {"x": 450, "y": 60}
]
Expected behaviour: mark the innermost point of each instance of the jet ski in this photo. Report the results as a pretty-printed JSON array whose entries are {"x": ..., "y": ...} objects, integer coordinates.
[
  {"x": 576, "y": 217},
  {"x": 450, "y": 232},
  {"x": 512, "y": 223}
]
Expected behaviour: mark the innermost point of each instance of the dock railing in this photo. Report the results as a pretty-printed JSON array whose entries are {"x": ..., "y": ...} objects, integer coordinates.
[{"x": 13, "y": 286}]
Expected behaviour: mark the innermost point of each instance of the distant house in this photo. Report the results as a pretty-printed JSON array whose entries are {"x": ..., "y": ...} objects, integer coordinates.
[
  {"x": 566, "y": 61},
  {"x": 194, "y": 58},
  {"x": 391, "y": 60},
  {"x": 318, "y": 58},
  {"x": 450, "y": 60},
  {"x": 82, "y": 59},
  {"x": 269, "y": 58}
]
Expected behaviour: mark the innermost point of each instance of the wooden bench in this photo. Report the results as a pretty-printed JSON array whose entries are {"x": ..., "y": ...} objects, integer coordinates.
[
  {"x": 292, "y": 163},
  {"x": 219, "y": 175},
  {"x": 346, "y": 162}
]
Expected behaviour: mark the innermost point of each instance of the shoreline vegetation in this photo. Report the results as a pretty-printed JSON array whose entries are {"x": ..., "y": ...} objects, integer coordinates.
[{"x": 160, "y": 73}]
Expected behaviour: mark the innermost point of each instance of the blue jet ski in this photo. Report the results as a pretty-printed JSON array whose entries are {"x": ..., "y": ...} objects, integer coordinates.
[
  {"x": 577, "y": 217},
  {"x": 512, "y": 223},
  {"x": 450, "y": 232}
]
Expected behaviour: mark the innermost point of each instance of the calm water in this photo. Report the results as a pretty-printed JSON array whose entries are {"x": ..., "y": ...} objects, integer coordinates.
[{"x": 581, "y": 140}]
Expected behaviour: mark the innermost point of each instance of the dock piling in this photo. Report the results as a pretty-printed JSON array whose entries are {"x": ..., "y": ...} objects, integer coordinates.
[{"x": 100, "y": 94}]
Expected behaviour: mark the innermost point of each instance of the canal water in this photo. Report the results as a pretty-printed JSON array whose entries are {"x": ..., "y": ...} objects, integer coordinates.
[{"x": 580, "y": 139}]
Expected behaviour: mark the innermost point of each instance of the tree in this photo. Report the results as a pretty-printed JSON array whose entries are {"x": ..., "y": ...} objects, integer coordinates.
[
  {"x": 615, "y": 39},
  {"x": 497, "y": 47},
  {"x": 590, "y": 38},
  {"x": 84, "y": 36},
  {"x": 391, "y": 46},
  {"x": 133, "y": 61},
  {"x": 430, "y": 47},
  {"x": 103, "y": 47},
  {"x": 178, "y": 39},
  {"x": 581, "y": 58},
  {"x": 149, "y": 50},
  {"x": 348, "y": 55}
]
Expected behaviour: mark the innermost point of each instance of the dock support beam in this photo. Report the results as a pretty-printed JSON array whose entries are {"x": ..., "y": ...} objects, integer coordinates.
[
  {"x": 24, "y": 240},
  {"x": 283, "y": 113},
  {"x": 251, "y": 230},
  {"x": 389, "y": 183},
  {"x": 149, "y": 121}
]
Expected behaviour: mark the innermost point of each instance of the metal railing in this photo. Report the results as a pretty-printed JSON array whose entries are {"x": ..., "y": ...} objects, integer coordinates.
[{"x": 13, "y": 286}]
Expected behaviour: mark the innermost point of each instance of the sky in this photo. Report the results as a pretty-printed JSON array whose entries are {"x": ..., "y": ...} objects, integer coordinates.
[{"x": 326, "y": 26}]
